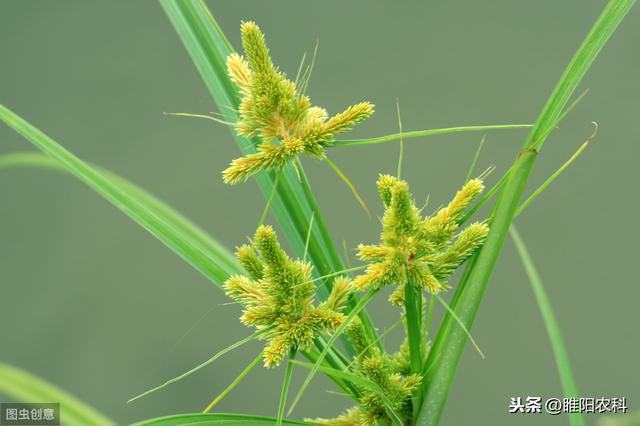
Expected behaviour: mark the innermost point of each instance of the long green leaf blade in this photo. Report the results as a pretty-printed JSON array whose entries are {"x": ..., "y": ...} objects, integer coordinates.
[
  {"x": 201, "y": 365},
  {"x": 25, "y": 387},
  {"x": 286, "y": 383},
  {"x": 220, "y": 255},
  {"x": 551, "y": 324},
  {"x": 451, "y": 341},
  {"x": 194, "y": 252},
  {"x": 217, "y": 419},
  {"x": 429, "y": 132},
  {"x": 604, "y": 27}
]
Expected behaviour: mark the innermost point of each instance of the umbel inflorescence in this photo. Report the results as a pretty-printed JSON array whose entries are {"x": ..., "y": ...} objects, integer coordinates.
[
  {"x": 277, "y": 111},
  {"x": 418, "y": 250},
  {"x": 391, "y": 373},
  {"x": 415, "y": 252},
  {"x": 277, "y": 295}
]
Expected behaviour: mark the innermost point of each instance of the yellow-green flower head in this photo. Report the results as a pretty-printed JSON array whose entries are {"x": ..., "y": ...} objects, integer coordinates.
[
  {"x": 392, "y": 375},
  {"x": 277, "y": 295},
  {"x": 422, "y": 251},
  {"x": 277, "y": 111}
]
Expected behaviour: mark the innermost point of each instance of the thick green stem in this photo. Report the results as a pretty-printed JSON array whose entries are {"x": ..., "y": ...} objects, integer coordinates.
[
  {"x": 451, "y": 338},
  {"x": 445, "y": 355},
  {"x": 285, "y": 387},
  {"x": 413, "y": 309}
]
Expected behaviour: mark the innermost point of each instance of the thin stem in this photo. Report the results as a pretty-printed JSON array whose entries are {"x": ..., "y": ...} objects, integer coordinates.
[
  {"x": 253, "y": 364},
  {"x": 306, "y": 244},
  {"x": 349, "y": 184},
  {"x": 535, "y": 194},
  {"x": 401, "y": 154},
  {"x": 413, "y": 309},
  {"x": 202, "y": 365},
  {"x": 349, "y": 388},
  {"x": 274, "y": 191},
  {"x": 430, "y": 132},
  {"x": 475, "y": 159},
  {"x": 551, "y": 324},
  {"x": 485, "y": 199},
  {"x": 285, "y": 387},
  {"x": 429, "y": 320},
  {"x": 461, "y": 324}
]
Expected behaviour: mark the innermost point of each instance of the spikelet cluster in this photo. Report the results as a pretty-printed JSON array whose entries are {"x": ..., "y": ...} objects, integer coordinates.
[
  {"x": 276, "y": 110},
  {"x": 277, "y": 295},
  {"x": 392, "y": 375},
  {"x": 421, "y": 251}
]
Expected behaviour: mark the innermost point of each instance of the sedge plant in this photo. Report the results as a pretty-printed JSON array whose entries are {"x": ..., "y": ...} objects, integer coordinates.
[{"x": 309, "y": 309}]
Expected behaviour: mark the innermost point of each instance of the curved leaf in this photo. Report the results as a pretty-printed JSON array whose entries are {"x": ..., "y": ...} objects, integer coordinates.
[
  {"x": 551, "y": 324},
  {"x": 215, "y": 420},
  {"x": 25, "y": 387},
  {"x": 199, "y": 250},
  {"x": 451, "y": 341}
]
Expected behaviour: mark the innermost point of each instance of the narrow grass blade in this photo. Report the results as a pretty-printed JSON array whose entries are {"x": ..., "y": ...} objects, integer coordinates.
[
  {"x": 307, "y": 381},
  {"x": 217, "y": 419},
  {"x": 401, "y": 152},
  {"x": 451, "y": 340},
  {"x": 359, "y": 381},
  {"x": 551, "y": 324},
  {"x": 25, "y": 387},
  {"x": 461, "y": 324},
  {"x": 223, "y": 263},
  {"x": 430, "y": 132},
  {"x": 489, "y": 194},
  {"x": 349, "y": 389},
  {"x": 286, "y": 383},
  {"x": 306, "y": 244},
  {"x": 200, "y": 366},
  {"x": 475, "y": 159},
  {"x": 343, "y": 374},
  {"x": 413, "y": 308},
  {"x": 253, "y": 364},
  {"x": 429, "y": 319},
  {"x": 485, "y": 198},
  {"x": 188, "y": 248},
  {"x": 351, "y": 186},
  {"x": 555, "y": 175},
  {"x": 207, "y": 117}
]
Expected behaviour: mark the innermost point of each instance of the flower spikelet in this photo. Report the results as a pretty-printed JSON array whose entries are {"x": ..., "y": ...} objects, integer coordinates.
[
  {"x": 277, "y": 295},
  {"x": 418, "y": 250},
  {"x": 275, "y": 109},
  {"x": 389, "y": 372}
]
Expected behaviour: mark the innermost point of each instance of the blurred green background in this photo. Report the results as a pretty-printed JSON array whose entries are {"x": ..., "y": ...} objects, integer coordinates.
[{"x": 93, "y": 303}]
